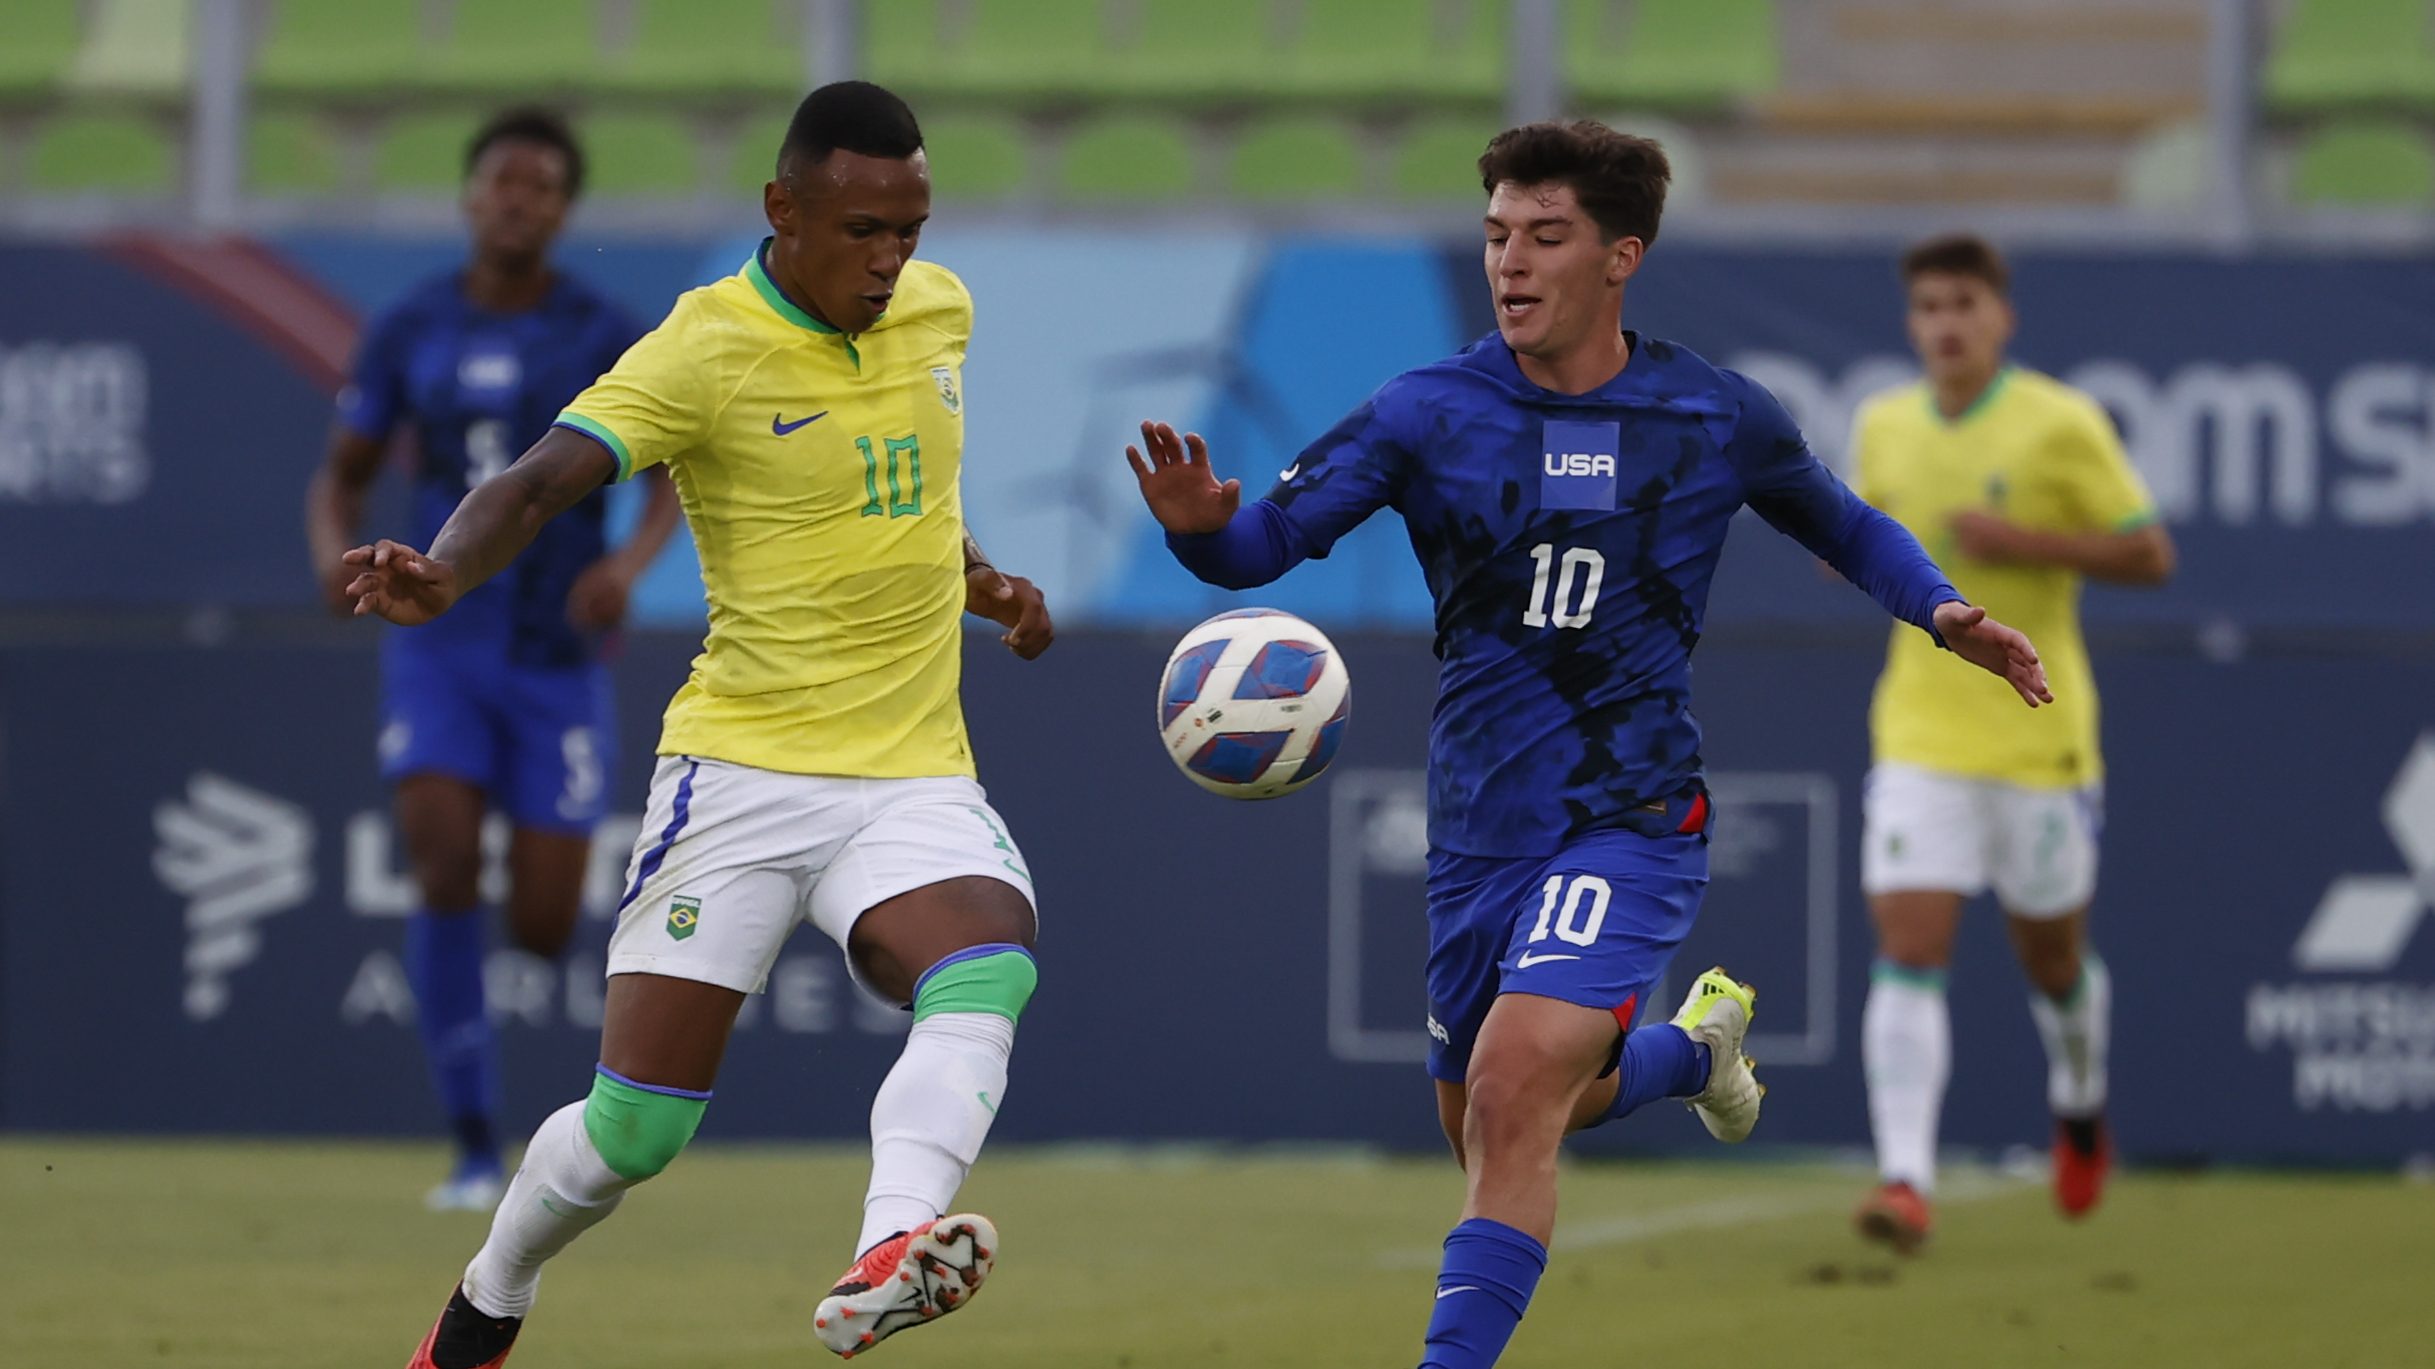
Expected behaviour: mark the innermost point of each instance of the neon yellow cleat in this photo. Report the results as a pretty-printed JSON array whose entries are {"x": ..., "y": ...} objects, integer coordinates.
[{"x": 1717, "y": 1015}]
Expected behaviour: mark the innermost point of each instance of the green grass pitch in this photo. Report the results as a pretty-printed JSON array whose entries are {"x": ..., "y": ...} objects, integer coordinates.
[{"x": 289, "y": 1256}]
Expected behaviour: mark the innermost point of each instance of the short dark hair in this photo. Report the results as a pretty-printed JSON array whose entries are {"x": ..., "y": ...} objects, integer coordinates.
[
  {"x": 1958, "y": 254},
  {"x": 530, "y": 124},
  {"x": 1619, "y": 178},
  {"x": 850, "y": 116}
]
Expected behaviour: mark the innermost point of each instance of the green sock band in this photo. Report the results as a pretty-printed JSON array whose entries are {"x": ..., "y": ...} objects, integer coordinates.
[
  {"x": 988, "y": 979},
  {"x": 2090, "y": 967},
  {"x": 1916, "y": 977},
  {"x": 639, "y": 1130}
]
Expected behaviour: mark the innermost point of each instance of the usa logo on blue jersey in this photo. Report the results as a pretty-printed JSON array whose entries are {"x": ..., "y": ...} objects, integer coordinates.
[{"x": 1577, "y": 469}]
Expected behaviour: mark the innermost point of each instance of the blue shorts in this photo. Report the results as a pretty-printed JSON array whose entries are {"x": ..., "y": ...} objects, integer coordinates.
[
  {"x": 1595, "y": 924},
  {"x": 540, "y": 742}
]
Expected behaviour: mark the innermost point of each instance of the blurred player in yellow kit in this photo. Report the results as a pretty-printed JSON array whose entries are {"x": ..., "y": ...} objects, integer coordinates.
[
  {"x": 2018, "y": 486},
  {"x": 815, "y": 767}
]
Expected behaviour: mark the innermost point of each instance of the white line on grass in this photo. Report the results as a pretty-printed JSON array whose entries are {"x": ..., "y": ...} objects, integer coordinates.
[{"x": 1965, "y": 1186}]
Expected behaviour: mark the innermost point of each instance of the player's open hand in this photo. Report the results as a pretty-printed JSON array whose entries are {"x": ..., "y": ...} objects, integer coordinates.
[
  {"x": 396, "y": 582},
  {"x": 1013, "y": 603},
  {"x": 1176, "y": 482},
  {"x": 1994, "y": 648},
  {"x": 597, "y": 602}
]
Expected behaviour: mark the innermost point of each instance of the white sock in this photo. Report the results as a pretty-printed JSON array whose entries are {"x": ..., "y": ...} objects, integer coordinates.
[
  {"x": 931, "y": 1116},
  {"x": 562, "y": 1190},
  {"x": 1906, "y": 1048},
  {"x": 2075, "y": 1029}
]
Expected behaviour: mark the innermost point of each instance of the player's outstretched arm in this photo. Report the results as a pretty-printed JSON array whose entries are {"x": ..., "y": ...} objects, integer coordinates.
[
  {"x": 1994, "y": 648},
  {"x": 1200, "y": 515},
  {"x": 1178, "y": 483},
  {"x": 496, "y": 521},
  {"x": 1010, "y": 601}
]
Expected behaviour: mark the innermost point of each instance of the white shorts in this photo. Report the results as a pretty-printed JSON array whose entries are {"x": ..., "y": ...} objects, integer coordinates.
[
  {"x": 731, "y": 857},
  {"x": 2037, "y": 848}
]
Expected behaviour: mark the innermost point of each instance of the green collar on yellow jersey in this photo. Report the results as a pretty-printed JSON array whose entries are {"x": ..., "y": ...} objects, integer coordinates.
[
  {"x": 1986, "y": 398},
  {"x": 786, "y": 308}
]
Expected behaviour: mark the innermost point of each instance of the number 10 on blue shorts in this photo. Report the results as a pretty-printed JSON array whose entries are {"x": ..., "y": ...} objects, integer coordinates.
[{"x": 1596, "y": 924}]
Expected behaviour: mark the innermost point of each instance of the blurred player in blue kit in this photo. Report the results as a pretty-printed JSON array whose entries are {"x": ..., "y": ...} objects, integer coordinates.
[
  {"x": 504, "y": 705},
  {"x": 1567, "y": 485}
]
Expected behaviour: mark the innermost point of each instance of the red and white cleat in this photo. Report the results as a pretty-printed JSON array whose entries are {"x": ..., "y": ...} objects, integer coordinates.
[
  {"x": 1897, "y": 1216},
  {"x": 907, "y": 1280},
  {"x": 2084, "y": 1155},
  {"x": 466, "y": 1337}
]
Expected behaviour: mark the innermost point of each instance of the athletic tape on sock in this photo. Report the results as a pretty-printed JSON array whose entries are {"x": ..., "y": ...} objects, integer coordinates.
[
  {"x": 638, "y": 1128},
  {"x": 995, "y": 979}
]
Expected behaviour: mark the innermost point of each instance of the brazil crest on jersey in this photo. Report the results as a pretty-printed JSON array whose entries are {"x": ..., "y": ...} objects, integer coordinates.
[{"x": 1569, "y": 542}]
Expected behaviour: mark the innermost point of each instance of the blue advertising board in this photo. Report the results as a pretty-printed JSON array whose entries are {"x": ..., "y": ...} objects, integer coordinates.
[
  {"x": 2281, "y": 405},
  {"x": 204, "y": 894}
]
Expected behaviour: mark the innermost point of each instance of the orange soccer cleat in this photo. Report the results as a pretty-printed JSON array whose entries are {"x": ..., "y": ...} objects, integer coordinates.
[
  {"x": 1896, "y": 1215},
  {"x": 907, "y": 1280},
  {"x": 466, "y": 1337},
  {"x": 2084, "y": 1154}
]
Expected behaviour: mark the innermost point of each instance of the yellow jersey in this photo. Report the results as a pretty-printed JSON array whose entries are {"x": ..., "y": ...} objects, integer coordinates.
[
  {"x": 2036, "y": 453},
  {"x": 820, "y": 475}
]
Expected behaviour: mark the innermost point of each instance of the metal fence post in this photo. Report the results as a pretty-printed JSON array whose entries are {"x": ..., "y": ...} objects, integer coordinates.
[
  {"x": 832, "y": 32},
  {"x": 215, "y": 123},
  {"x": 1534, "y": 89}
]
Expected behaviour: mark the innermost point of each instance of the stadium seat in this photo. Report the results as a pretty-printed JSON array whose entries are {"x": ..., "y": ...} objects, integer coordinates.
[
  {"x": 1196, "y": 50},
  {"x": 363, "y": 50},
  {"x": 134, "y": 48},
  {"x": 423, "y": 153},
  {"x": 640, "y": 154},
  {"x": 752, "y": 154},
  {"x": 2366, "y": 164},
  {"x": 977, "y": 157},
  {"x": 900, "y": 43},
  {"x": 1675, "y": 54},
  {"x": 2333, "y": 54},
  {"x": 1374, "y": 50},
  {"x": 732, "y": 48},
  {"x": 1438, "y": 158},
  {"x": 1295, "y": 158},
  {"x": 1031, "y": 49},
  {"x": 1127, "y": 158},
  {"x": 291, "y": 154},
  {"x": 512, "y": 50},
  {"x": 119, "y": 154},
  {"x": 37, "y": 45}
]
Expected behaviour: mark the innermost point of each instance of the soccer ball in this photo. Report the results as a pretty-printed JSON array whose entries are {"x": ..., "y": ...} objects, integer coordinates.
[{"x": 1254, "y": 704}]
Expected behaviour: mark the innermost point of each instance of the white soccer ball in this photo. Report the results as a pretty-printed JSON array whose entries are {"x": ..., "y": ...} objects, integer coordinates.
[{"x": 1254, "y": 704}]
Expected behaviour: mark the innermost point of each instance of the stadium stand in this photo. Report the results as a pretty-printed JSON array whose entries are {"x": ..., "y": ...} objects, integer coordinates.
[
  {"x": 1136, "y": 159},
  {"x": 1295, "y": 157},
  {"x": 2348, "y": 54},
  {"x": 2365, "y": 163},
  {"x": 291, "y": 154},
  {"x": 2030, "y": 102},
  {"x": 123, "y": 154},
  {"x": 38, "y": 41},
  {"x": 712, "y": 50}
]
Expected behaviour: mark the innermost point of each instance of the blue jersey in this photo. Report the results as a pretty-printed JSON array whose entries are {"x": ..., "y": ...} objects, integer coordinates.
[
  {"x": 476, "y": 389},
  {"x": 1569, "y": 542}
]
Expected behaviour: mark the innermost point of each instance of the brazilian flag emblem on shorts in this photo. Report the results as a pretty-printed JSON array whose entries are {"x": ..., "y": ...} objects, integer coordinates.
[{"x": 684, "y": 915}]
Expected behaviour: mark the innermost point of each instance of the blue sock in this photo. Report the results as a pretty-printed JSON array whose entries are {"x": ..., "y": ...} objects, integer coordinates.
[
  {"x": 444, "y": 967},
  {"x": 1659, "y": 1061},
  {"x": 1483, "y": 1288}
]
